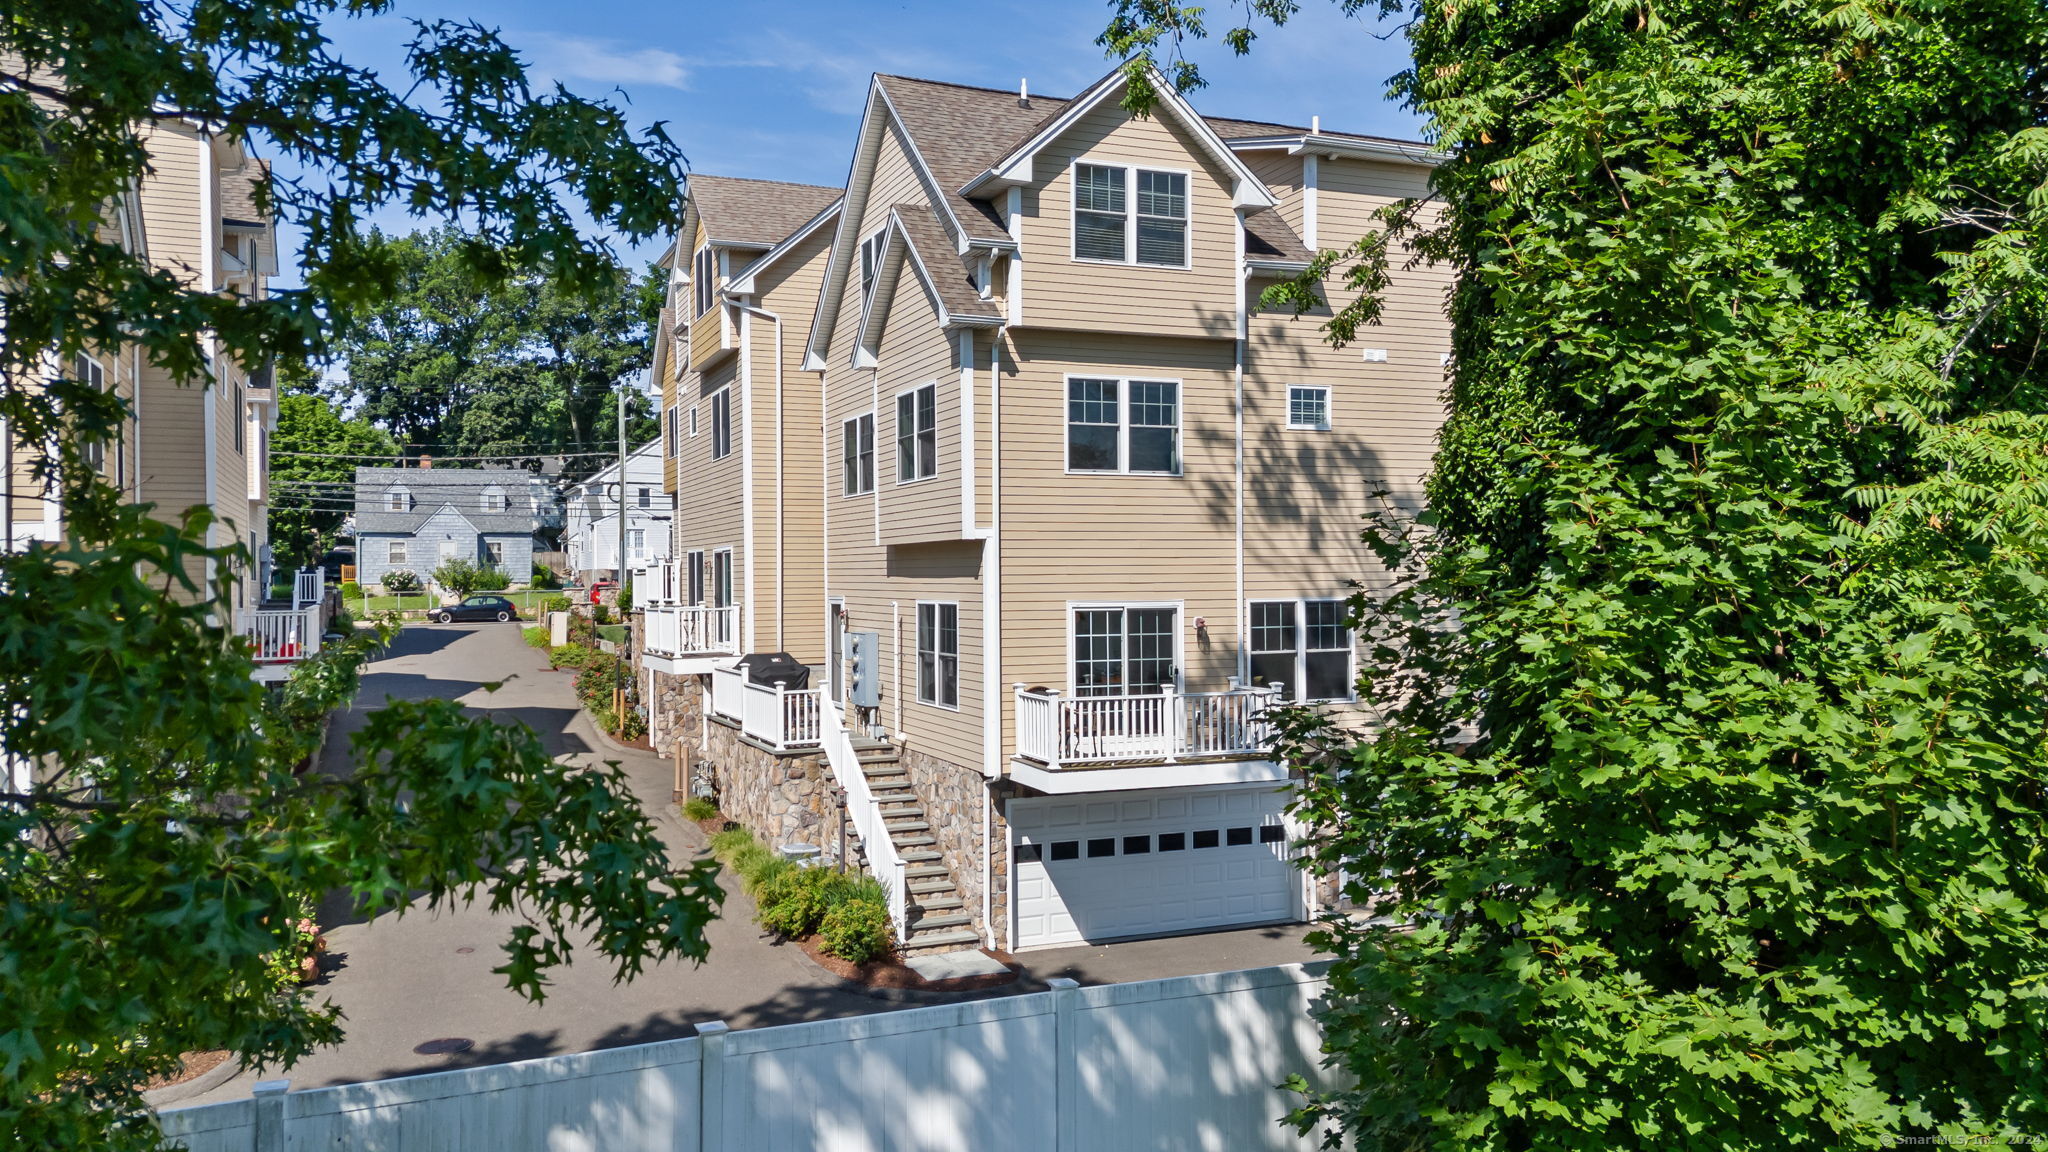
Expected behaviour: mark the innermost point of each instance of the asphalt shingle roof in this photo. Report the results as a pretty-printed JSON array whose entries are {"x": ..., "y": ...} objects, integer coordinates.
[
  {"x": 238, "y": 194},
  {"x": 435, "y": 488},
  {"x": 927, "y": 238},
  {"x": 756, "y": 213}
]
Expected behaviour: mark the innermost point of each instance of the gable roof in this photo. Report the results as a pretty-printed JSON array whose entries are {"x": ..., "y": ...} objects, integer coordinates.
[
  {"x": 435, "y": 489},
  {"x": 238, "y": 195},
  {"x": 1014, "y": 165},
  {"x": 755, "y": 213},
  {"x": 915, "y": 239},
  {"x": 743, "y": 284},
  {"x": 954, "y": 129}
]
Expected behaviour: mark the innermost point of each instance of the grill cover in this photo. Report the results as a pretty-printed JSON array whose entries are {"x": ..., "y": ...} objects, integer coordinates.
[{"x": 770, "y": 669}]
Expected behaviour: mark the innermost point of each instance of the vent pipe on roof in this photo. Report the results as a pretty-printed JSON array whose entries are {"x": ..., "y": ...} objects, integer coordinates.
[
  {"x": 1315, "y": 125},
  {"x": 1024, "y": 92}
]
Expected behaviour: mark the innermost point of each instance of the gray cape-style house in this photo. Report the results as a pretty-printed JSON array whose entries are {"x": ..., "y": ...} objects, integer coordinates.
[{"x": 412, "y": 519}]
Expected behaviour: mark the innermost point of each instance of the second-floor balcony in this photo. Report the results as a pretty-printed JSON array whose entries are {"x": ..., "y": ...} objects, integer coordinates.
[
  {"x": 1099, "y": 731},
  {"x": 781, "y": 719},
  {"x": 678, "y": 630}
]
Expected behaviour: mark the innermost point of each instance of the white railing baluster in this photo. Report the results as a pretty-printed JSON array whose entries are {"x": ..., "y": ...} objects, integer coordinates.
[{"x": 1058, "y": 731}]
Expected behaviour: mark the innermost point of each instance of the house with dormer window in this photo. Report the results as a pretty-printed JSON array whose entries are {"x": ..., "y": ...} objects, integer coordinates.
[
  {"x": 1000, "y": 443},
  {"x": 413, "y": 519}
]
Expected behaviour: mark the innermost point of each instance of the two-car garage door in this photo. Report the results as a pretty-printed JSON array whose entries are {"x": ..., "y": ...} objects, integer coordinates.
[{"x": 1119, "y": 864}]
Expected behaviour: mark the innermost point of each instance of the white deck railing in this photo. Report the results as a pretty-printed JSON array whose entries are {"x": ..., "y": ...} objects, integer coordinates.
[
  {"x": 690, "y": 629},
  {"x": 783, "y": 720},
  {"x": 283, "y": 635},
  {"x": 1058, "y": 730},
  {"x": 309, "y": 586}
]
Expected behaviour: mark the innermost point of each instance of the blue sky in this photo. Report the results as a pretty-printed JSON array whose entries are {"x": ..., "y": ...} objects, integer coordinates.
[{"x": 773, "y": 89}]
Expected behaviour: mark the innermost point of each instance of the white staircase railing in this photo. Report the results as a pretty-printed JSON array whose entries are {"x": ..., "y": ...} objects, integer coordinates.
[
  {"x": 1059, "y": 730},
  {"x": 866, "y": 816}
]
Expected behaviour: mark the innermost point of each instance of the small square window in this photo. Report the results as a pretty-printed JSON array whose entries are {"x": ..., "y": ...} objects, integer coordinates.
[
  {"x": 1308, "y": 408},
  {"x": 1066, "y": 850},
  {"x": 1029, "y": 853},
  {"x": 1240, "y": 836},
  {"x": 1173, "y": 841},
  {"x": 1137, "y": 845},
  {"x": 1103, "y": 847},
  {"x": 1207, "y": 838},
  {"x": 1271, "y": 834}
]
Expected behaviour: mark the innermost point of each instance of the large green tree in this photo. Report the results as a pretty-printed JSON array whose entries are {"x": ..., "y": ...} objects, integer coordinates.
[
  {"x": 155, "y": 841},
  {"x": 463, "y": 361},
  {"x": 313, "y": 461},
  {"x": 1706, "y": 802}
]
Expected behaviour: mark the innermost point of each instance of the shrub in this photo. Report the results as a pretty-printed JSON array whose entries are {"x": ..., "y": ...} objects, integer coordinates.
[
  {"x": 700, "y": 808},
  {"x": 856, "y": 931},
  {"x": 401, "y": 580},
  {"x": 582, "y": 630},
  {"x": 574, "y": 655},
  {"x": 554, "y": 604},
  {"x": 350, "y": 590},
  {"x": 490, "y": 579},
  {"x": 599, "y": 614},
  {"x": 543, "y": 577},
  {"x": 625, "y": 599},
  {"x": 602, "y": 716},
  {"x": 796, "y": 903},
  {"x": 633, "y": 725},
  {"x": 458, "y": 575},
  {"x": 535, "y": 635},
  {"x": 728, "y": 842}
]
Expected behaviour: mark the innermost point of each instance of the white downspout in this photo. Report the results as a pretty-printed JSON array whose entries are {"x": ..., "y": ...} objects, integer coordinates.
[
  {"x": 992, "y": 634},
  {"x": 1310, "y": 182},
  {"x": 1237, "y": 372},
  {"x": 745, "y": 387}
]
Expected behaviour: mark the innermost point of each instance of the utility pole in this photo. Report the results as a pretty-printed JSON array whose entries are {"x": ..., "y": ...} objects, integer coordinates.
[{"x": 619, "y": 682}]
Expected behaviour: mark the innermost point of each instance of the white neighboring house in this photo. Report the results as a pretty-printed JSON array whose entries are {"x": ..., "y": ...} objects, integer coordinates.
[{"x": 590, "y": 527}]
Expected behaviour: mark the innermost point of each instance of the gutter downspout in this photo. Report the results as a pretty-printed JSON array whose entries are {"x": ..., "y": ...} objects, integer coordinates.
[
  {"x": 1237, "y": 372},
  {"x": 781, "y": 642},
  {"x": 992, "y": 634},
  {"x": 744, "y": 385}
]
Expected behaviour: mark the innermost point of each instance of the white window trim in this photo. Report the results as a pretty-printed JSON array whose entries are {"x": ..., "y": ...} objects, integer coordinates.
[
  {"x": 402, "y": 546},
  {"x": 726, "y": 392},
  {"x": 693, "y": 421},
  {"x": 1123, "y": 424},
  {"x": 704, "y": 282},
  {"x": 1329, "y": 416},
  {"x": 917, "y": 654},
  {"x": 1180, "y": 653},
  {"x": 872, "y": 477},
  {"x": 896, "y": 403},
  {"x": 1301, "y": 649},
  {"x": 1131, "y": 168},
  {"x": 403, "y": 495},
  {"x": 867, "y": 285},
  {"x": 711, "y": 579}
]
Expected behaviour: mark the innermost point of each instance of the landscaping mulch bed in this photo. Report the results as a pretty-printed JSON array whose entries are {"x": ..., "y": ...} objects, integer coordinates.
[
  {"x": 890, "y": 972},
  {"x": 195, "y": 1065}
]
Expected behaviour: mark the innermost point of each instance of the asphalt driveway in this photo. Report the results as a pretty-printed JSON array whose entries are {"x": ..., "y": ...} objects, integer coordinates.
[{"x": 401, "y": 981}]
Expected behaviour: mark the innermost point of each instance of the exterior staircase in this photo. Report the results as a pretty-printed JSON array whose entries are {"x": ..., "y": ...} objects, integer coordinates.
[{"x": 937, "y": 915}]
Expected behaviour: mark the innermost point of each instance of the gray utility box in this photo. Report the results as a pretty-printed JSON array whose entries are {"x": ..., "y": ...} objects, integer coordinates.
[{"x": 864, "y": 678}]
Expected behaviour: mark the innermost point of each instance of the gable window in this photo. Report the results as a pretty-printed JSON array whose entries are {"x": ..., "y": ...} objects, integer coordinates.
[
  {"x": 1116, "y": 425},
  {"x": 646, "y": 497},
  {"x": 1106, "y": 227},
  {"x": 397, "y": 500},
  {"x": 494, "y": 499},
  {"x": 702, "y": 271},
  {"x": 1308, "y": 408},
  {"x": 1303, "y": 646},
  {"x": 693, "y": 579},
  {"x": 721, "y": 423},
  {"x": 938, "y": 654},
  {"x": 494, "y": 551},
  {"x": 917, "y": 434},
  {"x": 396, "y": 553},
  {"x": 693, "y": 420},
  {"x": 857, "y": 437},
  {"x": 870, "y": 264}
]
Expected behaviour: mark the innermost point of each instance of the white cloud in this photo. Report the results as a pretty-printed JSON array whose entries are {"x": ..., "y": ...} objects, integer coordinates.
[{"x": 572, "y": 58}]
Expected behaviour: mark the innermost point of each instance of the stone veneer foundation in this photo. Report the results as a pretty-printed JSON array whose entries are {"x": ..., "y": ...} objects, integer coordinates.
[{"x": 953, "y": 797}]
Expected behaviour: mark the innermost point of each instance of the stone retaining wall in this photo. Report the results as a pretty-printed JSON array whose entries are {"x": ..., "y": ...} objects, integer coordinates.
[{"x": 952, "y": 797}]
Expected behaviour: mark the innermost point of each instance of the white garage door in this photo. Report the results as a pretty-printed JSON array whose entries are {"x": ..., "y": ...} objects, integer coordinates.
[{"x": 1121, "y": 864}]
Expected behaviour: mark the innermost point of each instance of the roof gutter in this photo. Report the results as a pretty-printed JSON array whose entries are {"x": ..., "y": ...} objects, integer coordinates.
[{"x": 1297, "y": 144}]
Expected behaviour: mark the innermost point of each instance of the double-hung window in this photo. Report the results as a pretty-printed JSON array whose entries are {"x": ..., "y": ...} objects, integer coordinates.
[
  {"x": 494, "y": 552},
  {"x": 1308, "y": 407},
  {"x": 636, "y": 543},
  {"x": 240, "y": 416},
  {"x": 1303, "y": 645},
  {"x": 702, "y": 274},
  {"x": 693, "y": 419},
  {"x": 858, "y": 453},
  {"x": 938, "y": 654},
  {"x": 395, "y": 552},
  {"x": 1130, "y": 215},
  {"x": 1116, "y": 425},
  {"x": 674, "y": 437},
  {"x": 93, "y": 376},
  {"x": 917, "y": 434},
  {"x": 721, "y": 423},
  {"x": 397, "y": 500}
]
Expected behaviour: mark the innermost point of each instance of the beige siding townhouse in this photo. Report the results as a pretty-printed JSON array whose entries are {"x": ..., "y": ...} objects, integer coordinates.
[{"x": 1072, "y": 509}]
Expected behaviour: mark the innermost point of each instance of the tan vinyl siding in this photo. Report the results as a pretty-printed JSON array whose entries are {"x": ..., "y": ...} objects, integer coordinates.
[
  {"x": 1061, "y": 292},
  {"x": 915, "y": 352},
  {"x": 710, "y": 511},
  {"x": 1282, "y": 176},
  {"x": 791, "y": 616}
]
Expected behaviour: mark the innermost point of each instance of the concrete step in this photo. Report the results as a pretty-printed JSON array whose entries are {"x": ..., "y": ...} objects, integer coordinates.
[
  {"x": 906, "y": 823},
  {"x": 916, "y": 841},
  {"x": 885, "y": 775},
  {"x": 917, "y": 856},
  {"x": 949, "y": 920},
  {"x": 952, "y": 938},
  {"x": 927, "y": 870},
  {"x": 939, "y": 882},
  {"x": 935, "y": 904}
]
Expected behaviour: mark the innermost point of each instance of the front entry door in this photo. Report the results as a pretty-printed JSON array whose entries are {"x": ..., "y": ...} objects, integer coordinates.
[
  {"x": 1124, "y": 659},
  {"x": 835, "y": 648}
]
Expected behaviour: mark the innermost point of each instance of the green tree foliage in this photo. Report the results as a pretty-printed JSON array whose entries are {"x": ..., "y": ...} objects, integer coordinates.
[
  {"x": 152, "y": 858},
  {"x": 313, "y": 459},
  {"x": 469, "y": 363},
  {"x": 1707, "y": 801}
]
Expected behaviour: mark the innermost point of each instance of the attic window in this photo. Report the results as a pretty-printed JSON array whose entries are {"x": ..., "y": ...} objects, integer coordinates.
[
  {"x": 1106, "y": 229},
  {"x": 704, "y": 270},
  {"x": 397, "y": 500},
  {"x": 494, "y": 499},
  {"x": 870, "y": 264}
]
